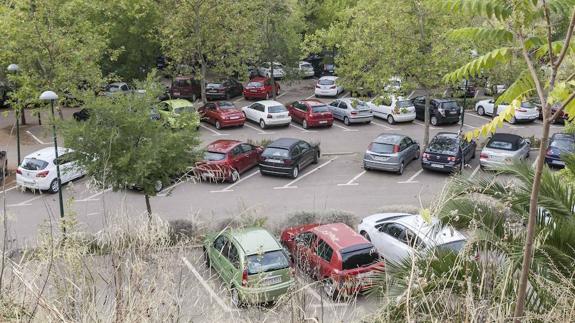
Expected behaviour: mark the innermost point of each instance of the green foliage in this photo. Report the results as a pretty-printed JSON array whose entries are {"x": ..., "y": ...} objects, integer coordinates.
[
  {"x": 480, "y": 64},
  {"x": 480, "y": 34}
]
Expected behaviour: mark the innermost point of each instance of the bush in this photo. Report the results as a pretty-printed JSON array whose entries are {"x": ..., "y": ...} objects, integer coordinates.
[
  {"x": 398, "y": 208},
  {"x": 570, "y": 126},
  {"x": 262, "y": 142},
  {"x": 182, "y": 231},
  {"x": 321, "y": 217}
]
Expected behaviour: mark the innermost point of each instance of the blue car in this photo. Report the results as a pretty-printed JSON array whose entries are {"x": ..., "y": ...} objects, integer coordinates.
[{"x": 560, "y": 144}]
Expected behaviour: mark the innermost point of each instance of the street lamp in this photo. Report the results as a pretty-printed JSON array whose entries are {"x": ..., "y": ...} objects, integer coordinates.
[
  {"x": 52, "y": 97},
  {"x": 13, "y": 68}
]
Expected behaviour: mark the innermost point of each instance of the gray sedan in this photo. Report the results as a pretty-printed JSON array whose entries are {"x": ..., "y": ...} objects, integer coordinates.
[
  {"x": 351, "y": 111},
  {"x": 391, "y": 152},
  {"x": 504, "y": 148}
]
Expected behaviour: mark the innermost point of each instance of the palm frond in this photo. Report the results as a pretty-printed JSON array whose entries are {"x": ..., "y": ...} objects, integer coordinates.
[
  {"x": 498, "y": 9},
  {"x": 482, "y": 34},
  {"x": 561, "y": 6},
  {"x": 556, "y": 46},
  {"x": 484, "y": 62},
  {"x": 521, "y": 88}
]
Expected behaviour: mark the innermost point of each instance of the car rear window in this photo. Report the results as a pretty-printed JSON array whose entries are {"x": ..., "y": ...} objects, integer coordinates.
[
  {"x": 306, "y": 65},
  {"x": 277, "y": 109},
  {"x": 450, "y": 105},
  {"x": 275, "y": 152},
  {"x": 498, "y": 144},
  {"x": 34, "y": 164},
  {"x": 454, "y": 246},
  {"x": 563, "y": 144},
  {"x": 359, "y": 258},
  {"x": 527, "y": 105},
  {"x": 359, "y": 105},
  {"x": 255, "y": 84},
  {"x": 269, "y": 261},
  {"x": 180, "y": 110},
  {"x": 214, "y": 156},
  {"x": 443, "y": 145},
  {"x": 404, "y": 104},
  {"x": 319, "y": 109},
  {"x": 226, "y": 105},
  {"x": 381, "y": 148},
  {"x": 326, "y": 82}
]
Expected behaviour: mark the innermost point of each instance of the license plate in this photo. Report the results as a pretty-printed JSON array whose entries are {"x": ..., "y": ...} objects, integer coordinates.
[
  {"x": 271, "y": 281},
  {"x": 234, "y": 118},
  {"x": 176, "y": 93},
  {"x": 275, "y": 161},
  {"x": 380, "y": 158},
  {"x": 453, "y": 112},
  {"x": 437, "y": 166},
  {"x": 323, "y": 122},
  {"x": 254, "y": 91},
  {"x": 558, "y": 162}
]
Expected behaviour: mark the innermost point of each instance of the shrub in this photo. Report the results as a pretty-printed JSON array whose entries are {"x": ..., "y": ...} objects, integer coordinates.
[{"x": 321, "y": 217}]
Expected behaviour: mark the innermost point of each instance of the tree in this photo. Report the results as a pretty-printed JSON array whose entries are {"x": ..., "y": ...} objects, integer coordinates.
[
  {"x": 121, "y": 146},
  {"x": 525, "y": 30}
]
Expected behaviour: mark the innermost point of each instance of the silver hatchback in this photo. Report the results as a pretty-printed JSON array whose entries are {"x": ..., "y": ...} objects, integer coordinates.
[
  {"x": 504, "y": 149},
  {"x": 391, "y": 152},
  {"x": 351, "y": 111}
]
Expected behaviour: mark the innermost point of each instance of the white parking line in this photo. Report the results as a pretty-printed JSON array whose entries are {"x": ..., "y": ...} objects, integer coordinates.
[
  {"x": 553, "y": 126},
  {"x": 25, "y": 203},
  {"x": 300, "y": 128},
  {"x": 423, "y": 125},
  {"x": 289, "y": 185},
  {"x": 478, "y": 116},
  {"x": 279, "y": 96},
  {"x": 238, "y": 99},
  {"x": 11, "y": 188},
  {"x": 345, "y": 95},
  {"x": 468, "y": 126},
  {"x": 475, "y": 171},
  {"x": 167, "y": 190},
  {"x": 206, "y": 286},
  {"x": 309, "y": 97},
  {"x": 535, "y": 162},
  {"x": 384, "y": 126},
  {"x": 352, "y": 181},
  {"x": 216, "y": 133},
  {"x": 92, "y": 198},
  {"x": 260, "y": 131},
  {"x": 411, "y": 179},
  {"x": 344, "y": 128},
  {"x": 228, "y": 189},
  {"x": 36, "y": 138}
]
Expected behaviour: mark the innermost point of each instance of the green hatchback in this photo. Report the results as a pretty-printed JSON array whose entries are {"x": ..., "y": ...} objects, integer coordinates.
[
  {"x": 252, "y": 263},
  {"x": 171, "y": 111}
]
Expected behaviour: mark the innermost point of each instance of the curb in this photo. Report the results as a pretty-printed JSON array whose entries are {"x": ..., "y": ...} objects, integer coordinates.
[{"x": 342, "y": 153}]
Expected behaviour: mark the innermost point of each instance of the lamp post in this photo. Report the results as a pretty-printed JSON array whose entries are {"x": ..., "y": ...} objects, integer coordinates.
[
  {"x": 52, "y": 97},
  {"x": 13, "y": 68}
]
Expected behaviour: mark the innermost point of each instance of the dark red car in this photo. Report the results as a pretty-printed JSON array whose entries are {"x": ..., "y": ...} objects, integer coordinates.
[
  {"x": 260, "y": 88},
  {"x": 225, "y": 160},
  {"x": 560, "y": 118},
  {"x": 222, "y": 114},
  {"x": 223, "y": 89},
  {"x": 336, "y": 255},
  {"x": 185, "y": 87},
  {"x": 311, "y": 113}
]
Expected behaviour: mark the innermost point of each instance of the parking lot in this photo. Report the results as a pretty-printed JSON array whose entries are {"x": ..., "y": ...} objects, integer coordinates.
[{"x": 338, "y": 181}]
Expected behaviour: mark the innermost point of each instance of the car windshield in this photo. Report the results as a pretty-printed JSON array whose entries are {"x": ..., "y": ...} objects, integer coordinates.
[
  {"x": 443, "y": 145},
  {"x": 113, "y": 88},
  {"x": 498, "y": 144},
  {"x": 454, "y": 246},
  {"x": 226, "y": 105},
  {"x": 214, "y": 156},
  {"x": 276, "y": 152},
  {"x": 359, "y": 105},
  {"x": 277, "y": 109},
  {"x": 269, "y": 261},
  {"x": 255, "y": 84},
  {"x": 326, "y": 82},
  {"x": 359, "y": 258},
  {"x": 34, "y": 164},
  {"x": 319, "y": 109},
  {"x": 527, "y": 105},
  {"x": 404, "y": 104},
  {"x": 563, "y": 144},
  {"x": 305, "y": 65},
  {"x": 450, "y": 105},
  {"x": 381, "y": 148}
]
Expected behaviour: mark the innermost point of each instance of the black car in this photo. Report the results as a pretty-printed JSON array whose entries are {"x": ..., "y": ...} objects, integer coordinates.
[
  {"x": 287, "y": 157},
  {"x": 448, "y": 152},
  {"x": 440, "y": 110},
  {"x": 223, "y": 89},
  {"x": 560, "y": 144},
  {"x": 81, "y": 115}
]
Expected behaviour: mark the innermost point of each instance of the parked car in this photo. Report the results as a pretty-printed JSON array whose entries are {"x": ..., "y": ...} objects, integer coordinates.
[
  {"x": 265, "y": 70},
  {"x": 310, "y": 113},
  {"x": 327, "y": 86},
  {"x": 260, "y": 88},
  {"x": 117, "y": 88},
  {"x": 328, "y": 69},
  {"x": 504, "y": 148},
  {"x": 251, "y": 263},
  {"x": 224, "y": 89},
  {"x": 448, "y": 152},
  {"x": 226, "y": 160},
  {"x": 390, "y": 152},
  {"x": 351, "y": 111},
  {"x": 267, "y": 113},
  {"x": 393, "y": 85},
  {"x": 393, "y": 109},
  {"x": 287, "y": 157},
  {"x": 560, "y": 118},
  {"x": 305, "y": 69},
  {"x": 170, "y": 112},
  {"x": 440, "y": 110},
  {"x": 560, "y": 144},
  {"x": 185, "y": 87},
  {"x": 81, "y": 115},
  {"x": 3, "y": 164},
  {"x": 334, "y": 254},
  {"x": 222, "y": 114},
  {"x": 38, "y": 169},
  {"x": 527, "y": 112},
  {"x": 399, "y": 236}
]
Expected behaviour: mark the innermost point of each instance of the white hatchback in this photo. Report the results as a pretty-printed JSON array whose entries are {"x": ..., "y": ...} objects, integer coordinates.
[
  {"x": 38, "y": 170},
  {"x": 327, "y": 86},
  {"x": 526, "y": 112},
  {"x": 393, "y": 109},
  {"x": 267, "y": 113}
]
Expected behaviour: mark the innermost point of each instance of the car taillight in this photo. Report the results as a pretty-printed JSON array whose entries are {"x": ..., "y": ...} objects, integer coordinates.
[
  {"x": 245, "y": 278},
  {"x": 317, "y": 86},
  {"x": 520, "y": 110},
  {"x": 270, "y": 116},
  {"x": 42, "y": 174},
  {"x": 288, "y": 162},
  {"x": 18, "y": 171},
  {"x": 483, "y": 156},
  {"x": 395, "y": 148},
  {"x": 451, "y": 158},
  {"x": 332, "y": 87},
  {"x": 353, "y": 113}
]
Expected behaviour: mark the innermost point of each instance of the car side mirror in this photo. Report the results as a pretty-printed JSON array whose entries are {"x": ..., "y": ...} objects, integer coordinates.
[{"x": 528, "y": 142}]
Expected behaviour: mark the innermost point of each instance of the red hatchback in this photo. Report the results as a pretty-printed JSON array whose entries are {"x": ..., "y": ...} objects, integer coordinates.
[
  {"x": 311, "y": 113},
  {"x": 335, "y": 254},
  {"x": 260, "y": 88},
  {"x": 222, "y": 114},
  {"x": 225, "y": 160}
]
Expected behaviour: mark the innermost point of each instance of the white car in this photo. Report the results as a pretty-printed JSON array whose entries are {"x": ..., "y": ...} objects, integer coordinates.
[
  {"x": 265, "y": 70},
  {"x": 393, "y": 109},
  {"x": 526, "y": 112},
  {"x": 399, "y": 236},
  {"x": 393, "y": 85},
  {"x": 267, "y": 113},
  {"x": 306, "y": 69},
  {"x": 327, "y": 86},
  {"x": 38, "y": 170}
]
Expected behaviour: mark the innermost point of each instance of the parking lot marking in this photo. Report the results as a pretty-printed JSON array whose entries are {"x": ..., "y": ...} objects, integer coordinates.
[
  {"x": 167, "y": 190},
  {"x": 345, "y": 95},
  {"x": 552, "y": 126},
  {"x": 383, "y": 126},
  {"x": 259, "y": 130},
  {"x": 216, "y": 133},
  {"x": 411, "y": 179},
  {"x": 91, "y": 198},
  {"x": 238, "y": 99},
  {"x": 36, "y": 138},
  {"x": 279, "y": 96},
  {"x": 352, "y": 181},
  {"x": 206, "y": 286},
  {"x": 535, "y": 162},
  {"x": 11, "y": 188},
  {"x": 475, "y": 171},
  {"x": 228, "y": 189},
  {"x": 300, "y": 128},
  {"x": 468, "y": 126},
  {"x": 309, "y": 97},
  {"x": 423, "y": 125},
  {"x": 289, "y": 185},
  {"x": 25, "y": 203},
  {"x": 344, "y": 128},
  {"x": 478, "y": 116}
]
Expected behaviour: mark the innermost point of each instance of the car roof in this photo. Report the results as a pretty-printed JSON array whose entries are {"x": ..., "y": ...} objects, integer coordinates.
[
  {"x": 118, "y": 84},
  {"x": 446, "y": 135},
  {"x": 431, "y": 232},
  {"x": 283, "y": 143},
  {"x": 561, "y": 135},
  {"x": 329, "y": 77},
  {"x": 178, "y": 103},
  {"x": 47, "y": 153},
  {"x": 255, "y": 240},
  {"x": 507, "y": 137},
  {"x": 349, "y": 100},
  {"x": 269, "y": 103},
  {"x": 443, "y": 100},
  {"x": 258, "y": 79},
  {"x": 339, "y": 235},
  {"x": 312, "y": 102},
  {"x": 222, "y": 145},
  {"x": 389, "y": 138}
]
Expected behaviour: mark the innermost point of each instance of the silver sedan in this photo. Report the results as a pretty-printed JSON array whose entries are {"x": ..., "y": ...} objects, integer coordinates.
[
  {"x": 390, "y": 152},
  {"x": 503, "y": 149}
]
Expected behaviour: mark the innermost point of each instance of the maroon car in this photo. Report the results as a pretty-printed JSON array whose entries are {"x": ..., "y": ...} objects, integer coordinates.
[
  {"x": 185, "y": 87},
  {"x": 560, "y": 118},
  {"x": 225, "y": 160},
  {"x": 336, "y": 255},
  {"x": 222, "y": 114},
  {"x": 260, "y": 88},
  {"x": 311, "y": 113}
]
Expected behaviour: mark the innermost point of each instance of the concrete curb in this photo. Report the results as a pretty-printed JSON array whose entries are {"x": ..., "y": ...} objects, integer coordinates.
[{"x": 342, "y": 153}]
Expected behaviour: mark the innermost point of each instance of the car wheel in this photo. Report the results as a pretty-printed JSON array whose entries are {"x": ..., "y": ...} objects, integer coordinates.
[
  {"x": 304, "y": 124},
  {"x": 330, "y": 289},
  {"x": 218, "y": 125},
  {"x": 365, "y": 167},
  {"x": 390, "y": 119},
  {"x": 417, "y": 154},
  {"x": 513, "y": 121},
  {"x": 401, "y": 168},
  {"x": 317, "y": 96},
  {"x": 365, "y": 235},
  {"x": 235, "y": 176},
  {"x": 473, "y": 156},
  {"x": 207, "y": 258},
  {"x": 54, "y": 186},
  {"x": 528, "y": 154},
  {"x": 295, "y": 172},
  {"x": 236, "y": 301},
  {"x": 434, "y": 121},
  {"x": 158, "y": 186},
  {"x": 316, "y": 158},
  {"x": 346, "y": 121},
  {"x": 262, "y": 124},
  {"x": 480, "y": 111}
]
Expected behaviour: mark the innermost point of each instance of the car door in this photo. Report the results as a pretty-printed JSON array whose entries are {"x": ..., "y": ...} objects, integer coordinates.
[
  {"x": 390, "y": 245},
  {"x": 66, "y": 167},
  {"x": 236, "y": 159},
  {"x": 419, "y": 103},
  {"x": 251, "y": 156},
  {"x": 465, "y": 150},
  {"x": 405, "y": 152},
  {"x": 333, "y": 107},
  {"x": 293, "y": 111},
  {"x": 238, "y": 88},
  {"x": 412, "y": 149},
  {"x": 250, "y": 111},
  {"x": 306, "y": 152},
  {"x": 322, "y": 259},
  {"x": 301, "y": 110},
  {"x": 296, "y": 156},
  {"x": 220, "y": 248},
  {"x": 490, "y": 107},
  {"x": 231, "y": 263},
  {"x": 302, "y": 252}
]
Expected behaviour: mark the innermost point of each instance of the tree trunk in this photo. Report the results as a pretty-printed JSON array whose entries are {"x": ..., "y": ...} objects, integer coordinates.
[
  {"x": 427, "y": 117},
  {"x": 273, "y": 79},
  {"x": 39, "y": 118},
  {"x": 22, "y": 116},
  {"x": 203, "y": 71},
  {"x": 148, "y": 207}
]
